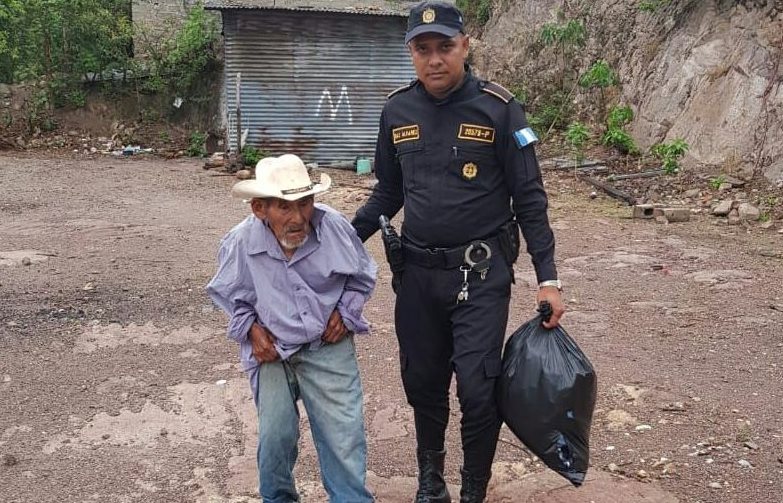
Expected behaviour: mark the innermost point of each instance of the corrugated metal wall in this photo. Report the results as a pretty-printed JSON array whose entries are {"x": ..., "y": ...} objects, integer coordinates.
[{"x": 313, "y": 83}]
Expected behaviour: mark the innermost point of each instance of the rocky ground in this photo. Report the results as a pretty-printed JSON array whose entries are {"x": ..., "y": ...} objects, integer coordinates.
[{"x": 117, "y": 384}]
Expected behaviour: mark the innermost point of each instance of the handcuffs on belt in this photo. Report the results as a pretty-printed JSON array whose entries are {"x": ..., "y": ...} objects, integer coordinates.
[{"x": 478, "y": 263}]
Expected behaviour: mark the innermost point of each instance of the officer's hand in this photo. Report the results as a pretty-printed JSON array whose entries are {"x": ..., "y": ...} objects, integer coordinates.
[
  {"x": 552, "y": 295},
  {"x": 335, "y": 328},
  {"x": 263, "y": 344}
]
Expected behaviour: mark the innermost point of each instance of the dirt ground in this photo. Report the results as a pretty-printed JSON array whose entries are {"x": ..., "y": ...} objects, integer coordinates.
[{"x": 118, "y": 385}]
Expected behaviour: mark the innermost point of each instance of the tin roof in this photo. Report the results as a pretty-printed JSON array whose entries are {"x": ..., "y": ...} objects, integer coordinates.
[{"x": 368, "y": 7}]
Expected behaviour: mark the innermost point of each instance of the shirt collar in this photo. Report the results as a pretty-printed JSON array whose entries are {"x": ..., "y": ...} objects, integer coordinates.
[{"x": 261, "y": 239}]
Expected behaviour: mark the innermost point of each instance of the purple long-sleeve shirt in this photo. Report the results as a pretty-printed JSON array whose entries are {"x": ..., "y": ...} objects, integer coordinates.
[{"x": 294, "y": 298}]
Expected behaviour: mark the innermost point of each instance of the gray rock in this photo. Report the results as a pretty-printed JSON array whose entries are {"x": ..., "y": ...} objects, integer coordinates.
[
  {"x": 715, "y": 485},
  {"x": 748, "y": 212},
  {"x": 751, "y": 445},
  {"x": 745, "y": 463},
  {"x": 244, "y": 174},
  {"x": 723, "y": 208},
  {"x": 26, "y": 261},
  {"x": 677, "y": 214},
  {"x": 693, "y": 193},
  {"x": 724, "y": 187}
]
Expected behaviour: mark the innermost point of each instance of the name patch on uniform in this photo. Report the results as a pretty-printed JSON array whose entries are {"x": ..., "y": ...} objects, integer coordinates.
[
  {"x": 476, "y": 133},
  {"x": 525, "y": 137},
  {"x": 405, "y": 133}
]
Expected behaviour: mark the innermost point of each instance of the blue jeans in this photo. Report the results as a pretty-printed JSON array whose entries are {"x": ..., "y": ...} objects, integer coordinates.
[{"x": 327, "y": 381}]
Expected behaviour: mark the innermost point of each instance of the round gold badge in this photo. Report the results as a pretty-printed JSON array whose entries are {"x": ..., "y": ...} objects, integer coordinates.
[
  {"x": 469, "y": 171},
  {"x": 428, "y": 16}
]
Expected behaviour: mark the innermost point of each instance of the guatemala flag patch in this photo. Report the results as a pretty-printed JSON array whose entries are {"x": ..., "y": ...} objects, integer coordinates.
[{"x": 525, "y": 137}]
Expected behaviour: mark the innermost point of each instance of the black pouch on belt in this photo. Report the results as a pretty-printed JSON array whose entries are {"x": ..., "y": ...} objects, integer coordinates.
[{"x": 509, "y": 241}]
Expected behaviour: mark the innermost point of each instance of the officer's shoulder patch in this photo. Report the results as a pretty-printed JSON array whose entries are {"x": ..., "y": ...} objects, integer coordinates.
[
  {"x": 497, "y": 91},
  {"x": 400, "y": 89}
]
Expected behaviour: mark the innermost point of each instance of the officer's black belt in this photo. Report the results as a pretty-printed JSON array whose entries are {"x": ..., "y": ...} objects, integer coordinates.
[{"x": 444, "y": 258}]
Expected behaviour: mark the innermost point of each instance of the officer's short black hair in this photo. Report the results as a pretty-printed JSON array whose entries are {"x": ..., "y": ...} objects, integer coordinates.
[{"x": 434, "y": 17}]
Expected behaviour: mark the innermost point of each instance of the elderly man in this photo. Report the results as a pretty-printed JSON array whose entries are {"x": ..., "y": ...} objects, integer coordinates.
[{"x": 293, "y": 277}]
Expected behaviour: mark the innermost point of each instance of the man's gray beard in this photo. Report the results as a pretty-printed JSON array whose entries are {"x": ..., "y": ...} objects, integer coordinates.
[{"x": 287, "y": 245}]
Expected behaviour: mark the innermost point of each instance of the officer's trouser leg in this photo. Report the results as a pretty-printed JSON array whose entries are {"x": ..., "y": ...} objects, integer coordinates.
[
  {"x": 423, "y": 332},
  {"x": 478, "y": 328}
]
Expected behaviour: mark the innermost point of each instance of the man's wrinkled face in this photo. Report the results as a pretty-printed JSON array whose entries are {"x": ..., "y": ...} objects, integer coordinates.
[
  {"x": 288, "y": 220},
  {"x": 439, "y": 61}
]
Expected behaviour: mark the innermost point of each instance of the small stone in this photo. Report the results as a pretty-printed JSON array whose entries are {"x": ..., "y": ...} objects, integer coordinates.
[
  {"x": 221, "y": 382},
  {"x": 715, "y": 485},
  {"x": 693, "y": 193},
  {"x": 674, "y": 215},
  {"x": 593, "y": 194},
  {"x": 89, "y": 286},
  {"x": 735, "y": 411},
  {"x": 696, "y": 399},
  {"x": 26, "y": 261},
  {"x": 745, "y": 463},
  {"x": 643, "y": 427},
  {"x": 613, "y": 468},
  {"x": 723, "y": 208},
  {"x": 9, "y": 460},
  {"x": 734, "y": 218},
  {"x": 724, "y": 187},
  {"x": 767, "y": 225},
  {"x": 105, "y": 436},
  {"x": 164, "y": 432},
  {"x": 244, "y": 174},
  {"x": 642, "y": 474},
  {"x": 751, "y": 445},
  {"x": 709, "y": 461},
  {"x": 674, "y": 407}
]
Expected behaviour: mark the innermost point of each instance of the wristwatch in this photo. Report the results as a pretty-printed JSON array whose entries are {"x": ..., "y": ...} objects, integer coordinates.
[{"x": 552, "y": 282}]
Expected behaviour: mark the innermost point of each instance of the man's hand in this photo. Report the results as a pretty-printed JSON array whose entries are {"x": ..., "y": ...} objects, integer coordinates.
[
  {"x": 552, "y": 295},
  {"x": 335, "y": 328},
  {"x": 263, "y": 344}
]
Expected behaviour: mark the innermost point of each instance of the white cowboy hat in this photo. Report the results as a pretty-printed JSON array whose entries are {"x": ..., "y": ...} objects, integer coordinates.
[{"x": 283, "y": 177}]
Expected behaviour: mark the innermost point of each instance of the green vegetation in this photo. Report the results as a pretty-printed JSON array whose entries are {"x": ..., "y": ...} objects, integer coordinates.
[
  {"x": 551, "y": 111},
  {"x": 670, "y": 154},
  {"x": 599, "y": 76},
  {"x": 566, "y": 36},
  {"x": 476, "y": 11},
  {"x": 65, "y": 48},
  {"x": 577, "y": 135},
  {"x": 176, "y": 59},
  {"x": 616, "y": 136},
  {"x": 717, "y": 181},
  {"x": 251, "y": 155},
  {"x": 196, "y": 146},
  {"x": 652, "y": 5}
]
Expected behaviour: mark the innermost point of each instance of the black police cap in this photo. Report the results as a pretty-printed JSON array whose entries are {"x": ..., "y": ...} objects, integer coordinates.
[{"x": 434, "y": 17}]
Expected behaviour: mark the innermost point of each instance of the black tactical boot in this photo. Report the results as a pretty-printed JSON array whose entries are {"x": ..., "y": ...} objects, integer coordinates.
[
  {"x": 432, "y": 486},
  {"x": 474, "y": 489}
]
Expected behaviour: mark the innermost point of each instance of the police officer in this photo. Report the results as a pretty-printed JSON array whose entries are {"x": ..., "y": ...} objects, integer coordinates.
[{"x": 457, "y": 153}]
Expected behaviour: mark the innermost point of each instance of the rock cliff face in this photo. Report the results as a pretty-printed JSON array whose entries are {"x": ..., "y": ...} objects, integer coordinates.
[{"x": 708, "y": 71}]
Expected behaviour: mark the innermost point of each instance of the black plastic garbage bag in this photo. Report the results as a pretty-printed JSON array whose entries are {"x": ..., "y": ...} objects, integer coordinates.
[{"x": 546, "y": 395}]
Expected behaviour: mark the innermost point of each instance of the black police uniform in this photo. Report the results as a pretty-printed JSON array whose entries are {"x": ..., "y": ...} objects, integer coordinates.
[{"x": 455, "y": 166}]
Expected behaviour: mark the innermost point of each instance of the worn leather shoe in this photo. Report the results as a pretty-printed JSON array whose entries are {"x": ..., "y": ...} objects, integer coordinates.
[{"x": 432, "y": 486}]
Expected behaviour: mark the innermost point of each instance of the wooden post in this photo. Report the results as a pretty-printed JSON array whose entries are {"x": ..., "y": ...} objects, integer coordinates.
[{"x": 239, "y": 115}]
